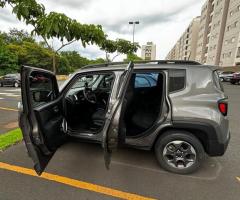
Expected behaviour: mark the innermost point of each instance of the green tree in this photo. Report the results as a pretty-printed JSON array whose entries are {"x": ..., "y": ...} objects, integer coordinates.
[
  {"x": 97, "y": 61},
  {"x": 58, "y": 25},
  {"x": 64, "y": 66},
  {"x": 120, "y": 46},
  {"x": 32, "y": 54},
  {"x": 8, "y": 60},
  {"x": 18, "y": 36},
  {"x": 132, "y": 57},
  {"x": 75, "y": 60}
]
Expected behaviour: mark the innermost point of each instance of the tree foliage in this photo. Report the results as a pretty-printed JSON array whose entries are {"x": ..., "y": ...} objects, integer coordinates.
[
  {"x": 132, "y": 57},
  {"x": 67, "y": 30},
  {"x": 8, "y": 60},
  {"x": 19, "y": 48}
]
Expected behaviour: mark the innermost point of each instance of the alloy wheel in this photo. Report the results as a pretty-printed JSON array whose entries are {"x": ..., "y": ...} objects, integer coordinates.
[{"x": 179, "y": 154}]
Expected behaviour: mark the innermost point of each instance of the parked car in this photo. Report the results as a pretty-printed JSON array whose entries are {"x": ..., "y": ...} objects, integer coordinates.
[
  {"x": 236, "y": 78},
  {"x": 177, "y": 108},
  {"x": 10, "y": 80},
  {"x": 226, "y": 76}
]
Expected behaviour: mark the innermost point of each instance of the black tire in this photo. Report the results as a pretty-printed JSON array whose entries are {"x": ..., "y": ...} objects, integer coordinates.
[
  {"x": 187, "y": 138},
  {"x": 233, "y": 82},
  {"x": 1, "y": 84}
]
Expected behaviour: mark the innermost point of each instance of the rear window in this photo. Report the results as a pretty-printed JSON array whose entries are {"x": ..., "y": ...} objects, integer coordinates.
[
  {"x": 144, "y": 80},
  {"x": 177, "y": 79}
]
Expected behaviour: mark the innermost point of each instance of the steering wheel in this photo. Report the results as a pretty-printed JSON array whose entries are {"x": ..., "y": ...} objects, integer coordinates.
[{"x": 89, "y": 95}]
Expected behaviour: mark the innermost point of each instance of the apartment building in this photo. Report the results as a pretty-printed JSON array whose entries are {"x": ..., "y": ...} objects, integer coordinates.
[
  {"x": 174, "y": 53},
  {"x": 230, "y": 52},
  {"x": 204, "y": 31},
  {"x": 218, "y": 40},
  {"x": 217, "y": 29},
  {"x": 185, "y": 48},
  {"x": 148, "y": 51}
]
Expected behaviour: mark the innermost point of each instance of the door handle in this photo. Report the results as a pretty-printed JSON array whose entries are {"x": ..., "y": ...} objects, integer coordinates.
[{"x": 56, "y": 109}]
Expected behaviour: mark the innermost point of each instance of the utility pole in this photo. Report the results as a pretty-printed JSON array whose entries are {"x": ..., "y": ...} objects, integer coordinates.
[{"x": 133, "y": 23}]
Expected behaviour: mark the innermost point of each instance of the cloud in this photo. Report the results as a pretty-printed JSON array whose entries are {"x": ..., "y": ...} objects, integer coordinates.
[
  {"x": 161, "y": 16},
  {"x": 7, "y": 17},
  {"x": 161, "y": 21},
  {"x": 115, "y": 15}
]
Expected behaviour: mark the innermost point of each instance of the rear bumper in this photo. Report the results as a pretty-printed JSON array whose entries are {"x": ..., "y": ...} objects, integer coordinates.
[{"x": 218, "y": 149}]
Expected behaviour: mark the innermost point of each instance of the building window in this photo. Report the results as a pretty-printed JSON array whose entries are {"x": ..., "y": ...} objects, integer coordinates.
[{"x": 238, "y": 53}]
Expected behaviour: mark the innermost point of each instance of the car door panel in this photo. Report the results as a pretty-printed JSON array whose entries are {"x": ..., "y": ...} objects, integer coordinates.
[
  {"x": 111, "y": 131},
  {"x": 49, "y": 120},
  {"x": 41, "y": 115}
]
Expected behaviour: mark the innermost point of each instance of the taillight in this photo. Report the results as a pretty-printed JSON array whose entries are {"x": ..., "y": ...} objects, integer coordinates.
[{"x": 223, "y": 107}]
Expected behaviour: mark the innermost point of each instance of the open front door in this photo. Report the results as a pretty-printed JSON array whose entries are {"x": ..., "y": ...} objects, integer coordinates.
[
  {"x": 111, "y": 133},
  {"x": 40, "y": 118}
]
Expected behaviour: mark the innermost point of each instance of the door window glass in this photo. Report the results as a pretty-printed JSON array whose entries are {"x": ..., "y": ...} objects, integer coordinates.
[
  {"x": 41, "y": 88},
  {"x": 143, "y": 80}
]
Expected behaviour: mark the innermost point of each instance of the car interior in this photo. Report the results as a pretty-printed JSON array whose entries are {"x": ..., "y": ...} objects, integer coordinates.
[
  {"x": 143, "y": 103},
  {"x": 86, "y": 103}
]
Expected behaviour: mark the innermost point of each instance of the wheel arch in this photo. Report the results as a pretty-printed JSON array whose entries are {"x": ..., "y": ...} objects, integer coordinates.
[{"x": 201, "y": 135}]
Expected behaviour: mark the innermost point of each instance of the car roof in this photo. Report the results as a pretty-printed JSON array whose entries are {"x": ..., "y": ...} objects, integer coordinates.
[{"x": 153, "y": 64}]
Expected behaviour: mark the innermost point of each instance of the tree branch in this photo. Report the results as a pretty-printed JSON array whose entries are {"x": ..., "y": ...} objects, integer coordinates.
[
  {"x": 65, "y": 45},
  {"x": 45, "y": 40},
  {"x": 115, "y": 56}
]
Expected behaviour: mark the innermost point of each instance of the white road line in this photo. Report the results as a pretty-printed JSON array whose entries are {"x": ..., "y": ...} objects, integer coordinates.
[
  {"x": 1, "y": 98},
  {"x": 10, "y": 94},
  {"x": 13, "y": 95},
  {"x": 13, "y": 90}
]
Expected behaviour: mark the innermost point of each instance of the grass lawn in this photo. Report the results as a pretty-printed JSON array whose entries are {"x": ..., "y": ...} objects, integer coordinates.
[{"x": 10, "y": 138}]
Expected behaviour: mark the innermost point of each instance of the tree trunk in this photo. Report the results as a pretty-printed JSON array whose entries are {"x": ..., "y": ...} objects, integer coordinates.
[
  {"x": 107, "y": 58},
  {"x": 54, "y": 63}
]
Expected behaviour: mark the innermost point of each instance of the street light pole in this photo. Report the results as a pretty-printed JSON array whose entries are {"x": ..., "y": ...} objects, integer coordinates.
[{"x": 134, "y": 23}]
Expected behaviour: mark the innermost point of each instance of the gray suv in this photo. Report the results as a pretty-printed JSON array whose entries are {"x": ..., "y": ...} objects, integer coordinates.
[{"x": 177, "y": 108}]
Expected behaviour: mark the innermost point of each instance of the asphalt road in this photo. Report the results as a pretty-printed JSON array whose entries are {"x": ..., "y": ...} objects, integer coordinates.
[
  {"x": 9, "y": 98},
  {"x": 132, "y": 171}
]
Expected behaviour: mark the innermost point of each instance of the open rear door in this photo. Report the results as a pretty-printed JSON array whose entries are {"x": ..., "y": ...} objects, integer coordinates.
[
  {"x": 40, "y": 117},
  {"x": 111, "y": 133}
]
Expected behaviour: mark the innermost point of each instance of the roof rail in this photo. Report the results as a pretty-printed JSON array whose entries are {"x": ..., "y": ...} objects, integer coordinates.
[{"x": 183, "y": 62}]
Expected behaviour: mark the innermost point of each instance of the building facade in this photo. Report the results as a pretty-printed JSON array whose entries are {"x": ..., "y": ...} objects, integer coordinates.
[
  {"x": 204, "y": 31},
  {"x": 230, "y": 52},
  {"x": 218, "y": 39},
  {"x": 217, "y": 29},
  {"x": 185, "y": 48},
  {"x": 149, "y": 51}
]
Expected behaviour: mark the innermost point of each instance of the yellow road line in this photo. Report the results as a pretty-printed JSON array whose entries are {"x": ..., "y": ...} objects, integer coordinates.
[
  {"x": 238, "y": 178},
  {"x": 75, "y": 183},
  {"x": 9, "y": 109}
]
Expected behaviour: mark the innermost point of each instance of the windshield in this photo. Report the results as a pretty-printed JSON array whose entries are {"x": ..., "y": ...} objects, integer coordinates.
[{"x": 86, "y": 81}]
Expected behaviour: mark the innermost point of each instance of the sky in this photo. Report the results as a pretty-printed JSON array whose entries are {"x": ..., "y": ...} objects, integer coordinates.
[{"x": 161, "y": 21}]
